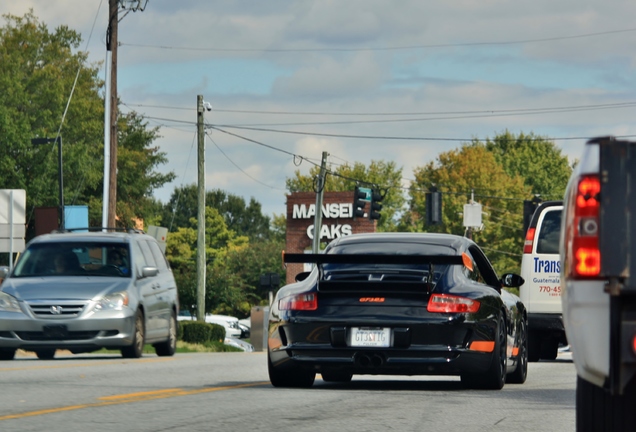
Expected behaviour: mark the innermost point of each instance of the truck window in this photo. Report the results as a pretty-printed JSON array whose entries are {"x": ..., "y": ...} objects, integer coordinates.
[{"x": 548, "y": 242}]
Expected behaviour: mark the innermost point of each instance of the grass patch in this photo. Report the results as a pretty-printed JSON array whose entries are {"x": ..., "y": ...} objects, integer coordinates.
[{"x": 184, "y": 347}]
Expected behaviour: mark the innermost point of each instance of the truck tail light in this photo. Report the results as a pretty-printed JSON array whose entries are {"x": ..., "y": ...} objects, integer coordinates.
[
  {"x": 303, "y": 301},
  {"x": 583, "y": 243},
  {"x": 527, "y": 246}
]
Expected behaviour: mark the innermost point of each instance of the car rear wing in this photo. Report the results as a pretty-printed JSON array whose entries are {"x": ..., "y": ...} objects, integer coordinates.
[
  {"x": 372, "y": 259},
  {"x": 376, "y": 287}
]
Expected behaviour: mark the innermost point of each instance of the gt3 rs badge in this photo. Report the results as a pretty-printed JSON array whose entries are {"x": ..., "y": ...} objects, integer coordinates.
[{"x": 371, "y": 299}]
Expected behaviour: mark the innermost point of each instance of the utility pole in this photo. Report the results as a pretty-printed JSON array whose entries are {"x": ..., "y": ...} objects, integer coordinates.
[
  {"x": 110, "y": 154},
  {"x": 318, "y": 214},
  {"x": 111, "y": 45},
  {"x": 201, "y": 213}
]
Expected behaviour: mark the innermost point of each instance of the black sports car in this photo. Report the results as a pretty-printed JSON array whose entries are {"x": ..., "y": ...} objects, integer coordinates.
[{"x": 398, "y": 304}]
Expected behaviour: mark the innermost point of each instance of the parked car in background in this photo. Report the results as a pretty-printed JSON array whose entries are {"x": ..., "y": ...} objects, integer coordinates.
[
  {"x": 65, "y": 293},
  {"x": 398, "y": 304},
  {"x": 230, "y": 323}
]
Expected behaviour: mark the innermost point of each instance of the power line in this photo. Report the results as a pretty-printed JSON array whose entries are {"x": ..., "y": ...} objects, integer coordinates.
[
  {"x": 393, "y": 48},
  {"x": 239, "y": 168},
  {"x": 567, "y": 108}
]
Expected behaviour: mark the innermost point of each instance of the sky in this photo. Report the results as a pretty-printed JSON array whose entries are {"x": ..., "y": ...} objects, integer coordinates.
[{"x": 363, "y": 80}]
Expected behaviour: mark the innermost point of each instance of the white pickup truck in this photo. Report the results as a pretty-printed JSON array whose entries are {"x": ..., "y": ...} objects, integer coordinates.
[{"x": 598, "y": 257}]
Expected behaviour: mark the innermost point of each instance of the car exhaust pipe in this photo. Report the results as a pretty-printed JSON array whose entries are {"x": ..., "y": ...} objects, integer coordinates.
[
  {"x": 377, "y": 360},
  {"x": 371, "y": 361},
  {"x": 363, "y": 360}
]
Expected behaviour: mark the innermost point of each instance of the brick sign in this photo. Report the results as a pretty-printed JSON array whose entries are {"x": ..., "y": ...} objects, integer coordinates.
[{"x": 337, "y": 221}]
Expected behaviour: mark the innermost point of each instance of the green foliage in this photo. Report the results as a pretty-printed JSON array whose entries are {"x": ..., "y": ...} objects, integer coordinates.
[
  {"x": 244, "y": 219},
  {"x": 200, "y": 332},
  {"x": 234, "y": 281},
  {"x": 38, "y": 69},
  {"x": 37, "y": 72},
  {"x": 380, "y": 174},
  {"x": 535, "y": 159}
]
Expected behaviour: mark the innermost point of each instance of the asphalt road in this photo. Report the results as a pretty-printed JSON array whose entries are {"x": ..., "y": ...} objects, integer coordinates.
[{"x": 231, "y": 392}]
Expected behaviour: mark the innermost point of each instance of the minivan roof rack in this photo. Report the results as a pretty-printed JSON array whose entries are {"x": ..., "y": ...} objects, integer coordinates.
[{"x": 102, "y": 229}]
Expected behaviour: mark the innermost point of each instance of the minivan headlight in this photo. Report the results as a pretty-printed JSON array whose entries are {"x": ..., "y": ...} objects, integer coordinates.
[
  {"x": 9, "y": 303},
  {"x": 116, "y": 301}
]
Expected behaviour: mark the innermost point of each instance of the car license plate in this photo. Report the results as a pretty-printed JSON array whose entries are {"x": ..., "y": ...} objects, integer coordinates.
[
  {"x": 55, "y": 332},
  {"x": 370, "y": 337}
]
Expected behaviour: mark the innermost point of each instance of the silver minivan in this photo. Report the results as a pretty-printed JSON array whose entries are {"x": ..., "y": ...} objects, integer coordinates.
[{"x": 82, "y": 291}]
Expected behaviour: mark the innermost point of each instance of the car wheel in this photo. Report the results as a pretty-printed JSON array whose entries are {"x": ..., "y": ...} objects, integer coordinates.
[
  {"x": 495, "y": 377},
  {"x": 534, "y": 347},
  {"x": 45, "y": 354},
  {"x": 169, "y": 347},
  {"x": 597, "y": 409},
  {"x": 290, "y": 377},
  {"x": 336, "y": 376},
  {"x": 7, "y": 354},
  {"x": 136, "y": 349},
  {"x": 521, "y": 372}
]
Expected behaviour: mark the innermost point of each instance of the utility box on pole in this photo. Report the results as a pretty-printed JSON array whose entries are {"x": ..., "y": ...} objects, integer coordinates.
[{"x": 259, "y": 320}]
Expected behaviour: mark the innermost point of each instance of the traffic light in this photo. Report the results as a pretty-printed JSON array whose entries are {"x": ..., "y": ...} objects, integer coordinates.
[
  {"x": 359, "y": 202},
  {"x": 528, "y": 210},
  {"x": 376, "y": 207},
  {"x": 433, "y": 207}
]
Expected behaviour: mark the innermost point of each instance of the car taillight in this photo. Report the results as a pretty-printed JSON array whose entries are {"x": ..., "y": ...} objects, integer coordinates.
[
  {"x": 304, "y": 301},
  {"x": 527, "y": 246},
  {"x": 585, "y": 253},
  {"x": 447, "y": 303}
]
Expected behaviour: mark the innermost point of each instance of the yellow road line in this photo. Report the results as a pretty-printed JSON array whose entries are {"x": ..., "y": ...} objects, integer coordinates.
[{"x": 130, "y": 397}]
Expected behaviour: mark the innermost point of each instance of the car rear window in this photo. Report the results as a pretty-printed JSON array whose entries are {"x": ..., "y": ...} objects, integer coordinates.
[
  {"x": 388, "y": 272},
  {"x": 550, "y": 229}
]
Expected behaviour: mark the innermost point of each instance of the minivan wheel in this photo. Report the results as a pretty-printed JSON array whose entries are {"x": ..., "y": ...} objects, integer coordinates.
[
  {"x": 169, "y": 347},
  {"x": 45, "y": 354},
  {"x": 7, "y": 354},
  {"x": 136, "y": 349}
]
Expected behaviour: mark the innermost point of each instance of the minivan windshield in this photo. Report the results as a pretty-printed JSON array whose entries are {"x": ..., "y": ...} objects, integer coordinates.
[{"x": 74, "y": 259}]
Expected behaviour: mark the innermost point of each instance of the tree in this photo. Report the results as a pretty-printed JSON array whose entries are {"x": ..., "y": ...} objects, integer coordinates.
[
  {"x": 37, "y": 79},
  {"x": 535, "y": 159},
  {"x": 382, "y": 175},
  {"x": 244, "y": 219},
  {"x": 458, "y": 173},
  {"x": 37, "y": 73}
]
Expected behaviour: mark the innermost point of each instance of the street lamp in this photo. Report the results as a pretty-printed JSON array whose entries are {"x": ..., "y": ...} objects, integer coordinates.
[{"x": 58, "y": 140}]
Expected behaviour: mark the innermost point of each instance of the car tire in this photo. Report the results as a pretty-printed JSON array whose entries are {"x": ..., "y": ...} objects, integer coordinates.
[
  {"x": 136, "y": 349},
  {"x": 495, "y": 377},
  {"x": 597, "y": 409},
  {"x": 45, "y": 354},
  {"x": 290, "y": 377},
  {"x": 336, "y": 376},
  {"x": 521, "y": 372},
  {"x": 169, "y": 347},
  {"x": 7, "y": 354}
]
